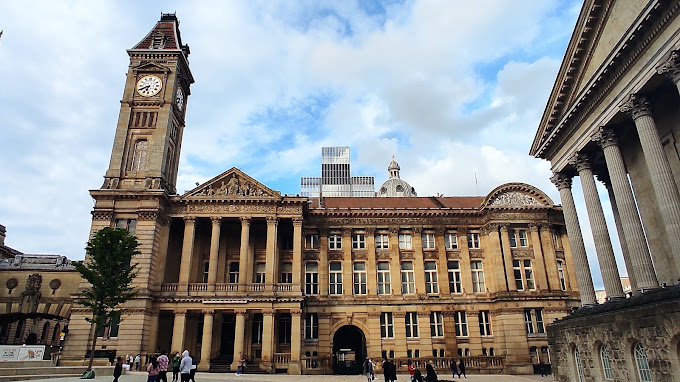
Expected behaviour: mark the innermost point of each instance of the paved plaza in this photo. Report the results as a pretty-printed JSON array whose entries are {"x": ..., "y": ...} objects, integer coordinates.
[{"x": 229, "y": 377}]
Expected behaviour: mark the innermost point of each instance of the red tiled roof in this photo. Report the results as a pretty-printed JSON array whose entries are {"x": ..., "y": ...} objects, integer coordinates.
[
  {"x": 404, "y": 202},
  {"x": 168, "y": 26}
]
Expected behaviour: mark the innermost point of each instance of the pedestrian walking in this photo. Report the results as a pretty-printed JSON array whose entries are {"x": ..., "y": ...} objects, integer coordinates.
[
  {"x": 417, "y": 376},
  {"x": 461, "y": 368},
  {"x": 368, "y": 369},
  {"x": 138, "y": 359},
  {"x": 163, "y": 362},
  {"x": 411, "y": 369},
  {"x": 194, "y": 366},
  {"x": 118, "y": 370},
  {"x": 393, "y": 371},
  {"x": 386, "y": 370},
  {"x": 431, "y": 375},
  {"x": 240, "y": 368},
  {"x": 185, "y": 367},
  {"x": 454, "y": 369}
]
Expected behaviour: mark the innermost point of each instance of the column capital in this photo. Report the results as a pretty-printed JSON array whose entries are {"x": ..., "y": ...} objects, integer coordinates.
[
  {"x": 240, "y": 312},
  {"x": 347, "y": 232},
  {"x": 272, "y": 220},
  {"x": 323, "y": 231},
  {"x": 245, "y": 220},
  {"x": 297, "y": 222},
  {"x": 533, "y": 227},
  {"x": 190, "y": 220},
  {"x": 296, "y": 312},
  {"x": 504, "y": 227},
  {"x": 439, "y": 231},
  {"x": 394, "y": 230},
  {"x": 370, "y": 231},
  {"x": 561, "y": 180},
  {"x": 180, "y": 312},
  {"x": 671, "y": 67},
  {"x": 581, "y": 161},
  {"x": 636, "y": 106},
  {"x": 268, "y": 312},
  {"x": 492, "y": 227},
  {"x": 605, "y": 137},
  {"x": 216, "y": 220},
  {"x": 417, "y": 230},
  {"x": 208, "y": 312}
]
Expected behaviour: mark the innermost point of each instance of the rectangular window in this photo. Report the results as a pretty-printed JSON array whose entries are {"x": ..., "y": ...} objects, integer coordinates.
[
  {"x": 358, "y": 241},
  {"x": 334, "y": 242},
  {"x": 431, "y": 279},
  {"x": 528, "y": 321},
  {"x": 477, "y": 270},
  {"x": 455, "y": 283},
  {"x": 312, "y": 241},
  {"x": 539, "y": 321},
  {"x": 257, "y": 328},
  {"x": 533, "y": 319},
  {"x": 436, "y": 324},
  {"x": 311, "y": 326},
  {"x": 557, "y": 239},
  {"x": 206, "y": 271},
  {"x": 359, "y": 278},
  {"x": 524, "y": 274},
  {"x": 411, "y": 325},
  {"x": 428, "y": 241},
  {"x": 451, "y": 241},
  {"x": 285, "y": 326},
  {"x": 386, "y": 325},
  {"x": 287, "y": 243},
  {"x": 384, "y": 286},
  {"x": 560, "y": 274},
  {"x": 523, "y": 240},
  {"x": 335, "y": 278},
  {"x": 115, "y": 325},
  {"x": 382, "y": 241},
  {"x": 128, "y": 224},
  {"x": 233, "y": 272},
  {"x": 259, "y": 273},
  {"x": 311, "y": 279},
  {"x": 517, "y": 271},
  {"x": 460, "y": 322},
  {"x": 473, "y": 241},
  {"x": 529, "y": 275},
  {"x": 408, "y": 279},
  {"x": 484, "y": 323},
  {"x": 405, "y": 241},
  {"x": 513, "y": 238},
  {"x": 286, "y": 273}
]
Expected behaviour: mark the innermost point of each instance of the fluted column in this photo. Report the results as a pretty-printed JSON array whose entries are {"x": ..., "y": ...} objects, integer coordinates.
[
  {"x": 419, "y": 261},
  {"x": 239, "y": 337},
  {"x": 178, "y": 328},
  {"x": 347, "y": 288},
  {"x": 271, "y": 260},
  {"x": 540, "y": 272},
  {"x": 395, "y": 264},
  {"x": 206, "y": 341},
  {"x": 442, "y": 267},
  {"x": 507, "y": 251},
  {"x": 637, "y": 251},
  {"x": 598, "y": 225},
  {"x": 323, "y": 261},
  {"x": 214, "y": 250},
  {"x": 298, "y": 274},
  {"x": 578, "y": 249},
  {"x": 671, "y": 68},
  {"x": 294, "y": 367},
  {"x": 659, "y": 169},
  {"x": 371, "y": 282},
  {"x": 187, "y": 252},
  {"x": 243, "y": 276}
]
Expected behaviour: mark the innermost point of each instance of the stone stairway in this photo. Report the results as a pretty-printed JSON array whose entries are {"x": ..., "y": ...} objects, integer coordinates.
[{"x": 28, "y": 370}]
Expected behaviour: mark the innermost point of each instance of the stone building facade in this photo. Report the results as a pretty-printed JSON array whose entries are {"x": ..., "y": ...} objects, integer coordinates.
[
  {"x": 613, "y": 115},
  {"x": 306, "y": 285}
]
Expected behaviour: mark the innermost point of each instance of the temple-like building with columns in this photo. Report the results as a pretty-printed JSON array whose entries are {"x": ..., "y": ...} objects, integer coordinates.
[
  {"x": 315, "y": 285},
  {"x": 613, "y": 117}
]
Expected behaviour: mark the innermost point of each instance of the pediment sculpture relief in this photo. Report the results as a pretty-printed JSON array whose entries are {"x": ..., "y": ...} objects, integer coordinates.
[
  {"x": 515, "y": 199},
  {"x": 235, "y": 186}
]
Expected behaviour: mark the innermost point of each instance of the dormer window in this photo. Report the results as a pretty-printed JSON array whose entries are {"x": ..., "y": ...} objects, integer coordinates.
[{"x": 157, "y": 42}]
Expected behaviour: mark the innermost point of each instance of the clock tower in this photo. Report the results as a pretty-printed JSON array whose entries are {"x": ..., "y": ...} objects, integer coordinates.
[{"x": 146, "y": 147}]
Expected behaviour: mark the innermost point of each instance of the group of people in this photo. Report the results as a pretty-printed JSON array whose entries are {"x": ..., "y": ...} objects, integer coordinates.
[
  {"x": 183, "y": 367},
  {"x": 390, "y": 371}
]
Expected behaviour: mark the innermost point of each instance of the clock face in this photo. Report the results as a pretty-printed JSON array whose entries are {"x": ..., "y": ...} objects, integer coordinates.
[
  {"x": 148, "y": 86},
  {"x": 179, "y": 98}
]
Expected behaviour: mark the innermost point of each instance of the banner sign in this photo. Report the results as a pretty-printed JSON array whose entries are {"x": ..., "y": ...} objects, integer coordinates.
[{"x": 21, "y": 353}]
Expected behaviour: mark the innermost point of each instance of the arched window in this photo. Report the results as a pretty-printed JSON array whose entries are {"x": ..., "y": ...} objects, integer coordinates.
[
  {"x": 139, "y": 156},
  {"x": 579, "y": 366},
  {"x": 45, "y": 331},
  {"x": 642, "y": 363},
  {"x": 55, "y": 334},
  {"x": 606, "y": 363}
]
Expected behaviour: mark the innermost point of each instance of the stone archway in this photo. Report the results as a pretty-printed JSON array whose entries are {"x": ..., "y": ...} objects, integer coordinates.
[{"x": 349, "y": 350}]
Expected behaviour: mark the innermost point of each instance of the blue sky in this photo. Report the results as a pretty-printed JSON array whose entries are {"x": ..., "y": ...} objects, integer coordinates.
[{"x": 452, "y": 88}]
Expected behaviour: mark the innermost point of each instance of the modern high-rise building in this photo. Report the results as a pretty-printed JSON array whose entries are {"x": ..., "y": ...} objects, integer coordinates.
[{"x": 336, "y": 179}]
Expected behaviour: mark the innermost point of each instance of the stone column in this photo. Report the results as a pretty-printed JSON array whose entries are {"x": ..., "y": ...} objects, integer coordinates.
[
  {"x": 298, "y": 273},
  {"x": 179, "y": 326},
  {"x": 638, "y": 252},
  {"x": 206, "y": 341},
  {"x": 494, "y": 268},
  {"x": 187, "y": 252},
  {"x": 550, "y": 258},
  {"x": 267, "y": 339},
  {"x": 153, "y": 332},
  {"x": 671, "y": 68},
  {"x": 347, "y": 262},
  {"x": 465, "y": 268},
  {"x": 578, "y": 249},
  {"x": 507, "y": 254},
  {"x": 659, "y": 169},
  {"x": 371, "y": 272},
  {"x": 442, "y": 267},
  {"x": 603, "y": 244},
  {"x": 395, "y": 265},
  {"x": 239, "y": 336},
  {"x": 323, "y": 261},
  {"x": 271, "y": 259},
  {"x": 214, "y": 250},
  {"x": 294, "y": 366},
  {"x": 418, "y": 261},
  {"x": 243, "y": 277},
  {"x": 540, "y": 274}
]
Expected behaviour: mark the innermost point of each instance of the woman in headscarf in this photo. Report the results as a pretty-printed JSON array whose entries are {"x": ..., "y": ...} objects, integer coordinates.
[{"x": 431, "y": 375}]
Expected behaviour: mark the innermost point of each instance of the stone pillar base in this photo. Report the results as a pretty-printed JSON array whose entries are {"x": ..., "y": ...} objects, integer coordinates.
[
  {"x": 203, "y": 366},
  {"x": 294, "y": 368},
  {"x": 267, "y": 366},
  {"x": 519, "y": 369},
  {"x": 234, "y": 365}
]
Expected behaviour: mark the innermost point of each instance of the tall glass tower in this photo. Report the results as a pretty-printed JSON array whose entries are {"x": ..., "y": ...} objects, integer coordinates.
[{"x": 336, "y": 179}]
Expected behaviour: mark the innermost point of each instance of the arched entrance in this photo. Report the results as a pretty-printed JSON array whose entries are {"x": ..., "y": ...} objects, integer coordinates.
[{"x": 349, "y": 350}]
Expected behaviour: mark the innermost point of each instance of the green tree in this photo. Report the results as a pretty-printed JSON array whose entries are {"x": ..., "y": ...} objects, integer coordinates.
[{"x": 109, "y": 270}]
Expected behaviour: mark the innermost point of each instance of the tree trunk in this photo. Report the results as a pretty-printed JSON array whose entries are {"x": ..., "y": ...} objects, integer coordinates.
[{"x": 94, "y": 343}]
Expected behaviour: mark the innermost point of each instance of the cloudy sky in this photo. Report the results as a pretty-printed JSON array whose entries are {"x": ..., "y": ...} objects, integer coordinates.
[{"x": 452, "y": 88}]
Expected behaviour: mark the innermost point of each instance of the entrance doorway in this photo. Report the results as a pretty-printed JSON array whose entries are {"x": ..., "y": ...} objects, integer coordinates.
[
  {"x": 228, "y": 337},
  {"x": 349, "y": 350}
]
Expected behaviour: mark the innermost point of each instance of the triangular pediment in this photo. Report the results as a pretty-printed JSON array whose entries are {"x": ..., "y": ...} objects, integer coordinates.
[
  {"x": 232, "y": 184},
  {"x": 150, "y": 67},
  {"x": 517, "y": 195}
]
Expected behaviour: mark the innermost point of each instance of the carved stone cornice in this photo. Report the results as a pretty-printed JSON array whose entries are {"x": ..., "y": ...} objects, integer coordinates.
[
  {"x": 102, "y": 215},
  {"x": 147, "y": 215},
  {"x": 671, "y": 67},
  {"x": 476, "y": 253},
  {"x": 605, "y": 137},
  {"x": 383, "y": 255},
  {"x": 581, "y": 161},
  {"x": 311, "y": 255},
  {"x": 335, "y": 255},
  {"x": 430, "y": 255},
  {"x": 603, "y": 177},
  {"x": 407, "y": 255},
  {"x": 636, "y": 106},
  {"x": 359, "y": 255},
  {"x": 561, "y": 180}
]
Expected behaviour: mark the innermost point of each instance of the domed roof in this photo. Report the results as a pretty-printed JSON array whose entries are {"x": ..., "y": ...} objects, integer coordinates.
[{"x": 395, "y": 186}]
